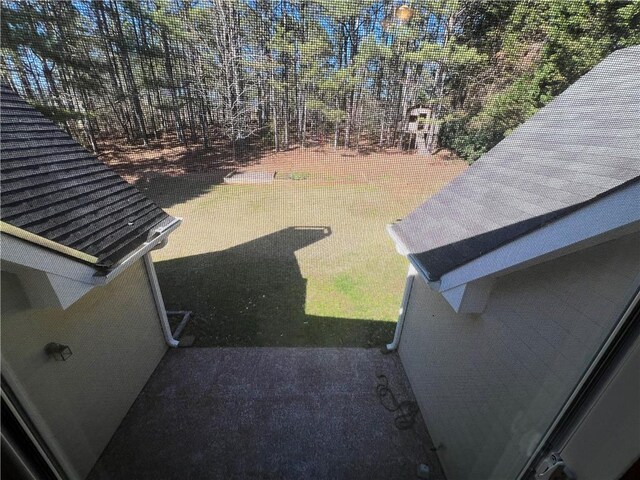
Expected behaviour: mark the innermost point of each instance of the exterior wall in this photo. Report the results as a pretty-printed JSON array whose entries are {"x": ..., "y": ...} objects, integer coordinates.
[
  {"x": 116, "y": 340},
  {"x": 489, "y": 385}
]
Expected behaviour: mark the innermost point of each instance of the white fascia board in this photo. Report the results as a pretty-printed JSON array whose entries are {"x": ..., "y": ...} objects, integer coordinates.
[
  {"x": 68, "y": 291},
  {"x": 470, "y": 297},
  {"x": 54, "y": 280},
  {"x": 158, "y": 239},
  {"x": 607, "y": 218},
  {"x": 400, "y": 246},
  {"x": 45, "y": 289},
  {"x": 27, "y": 254}
]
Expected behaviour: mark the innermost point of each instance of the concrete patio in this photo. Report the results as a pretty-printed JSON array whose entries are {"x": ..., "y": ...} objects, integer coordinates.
[{"x": 276, "y": 413}]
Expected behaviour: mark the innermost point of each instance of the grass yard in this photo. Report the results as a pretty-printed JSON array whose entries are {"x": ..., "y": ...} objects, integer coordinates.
[{"x": 305, "y": 260}]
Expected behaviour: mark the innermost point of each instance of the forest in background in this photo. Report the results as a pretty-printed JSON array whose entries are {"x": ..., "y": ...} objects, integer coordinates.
[{"x": 290, "y": 71}]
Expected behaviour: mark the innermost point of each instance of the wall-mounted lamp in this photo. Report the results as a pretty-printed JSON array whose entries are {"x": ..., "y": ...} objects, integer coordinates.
[{"x": 57, "y": 351}]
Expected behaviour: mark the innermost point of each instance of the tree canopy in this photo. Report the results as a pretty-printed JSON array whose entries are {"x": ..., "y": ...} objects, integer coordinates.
[{"x": 286, "y": 71}]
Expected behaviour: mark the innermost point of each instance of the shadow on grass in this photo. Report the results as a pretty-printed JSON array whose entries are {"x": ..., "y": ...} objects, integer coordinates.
[
  {"x": 170, "y": 173},
  {"x": 168, "y": 190},
  {"x": 254, "y": 294}
]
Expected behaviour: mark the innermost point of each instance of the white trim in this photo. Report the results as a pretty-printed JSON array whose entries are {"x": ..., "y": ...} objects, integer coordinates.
[
  {"x": 470, "y": 297},
  {"x": 403, "y": 309},
  {"x": 27, "y": 254},
  {"x": 54, "y": 280},
  {"x": 607, "y": 218},
  {"x": 46, "y": 289},
  {"x": 159, "y": 237},
  {"x": 157, "y": 297},
  {"x": 610, "y": 217},
  {"x": 400, "y": 246},
  {"x": 67, "y": 291}
]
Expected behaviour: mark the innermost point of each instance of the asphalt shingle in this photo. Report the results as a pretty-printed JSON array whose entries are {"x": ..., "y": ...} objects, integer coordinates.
[
  {"x": 581, "y": 146},
  {"x": 54, "y": 188}
]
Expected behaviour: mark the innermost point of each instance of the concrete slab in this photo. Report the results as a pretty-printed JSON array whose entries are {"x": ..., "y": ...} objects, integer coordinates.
[
  {"x": 250, "y": 177},
  {"x": 267, "y": 413}
]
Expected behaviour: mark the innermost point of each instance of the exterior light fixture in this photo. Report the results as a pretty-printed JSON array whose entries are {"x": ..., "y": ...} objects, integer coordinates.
[{"x": 57, "y": 351}]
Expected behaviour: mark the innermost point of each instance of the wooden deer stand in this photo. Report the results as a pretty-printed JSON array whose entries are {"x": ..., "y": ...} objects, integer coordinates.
[{"x": 417, "y": 127}]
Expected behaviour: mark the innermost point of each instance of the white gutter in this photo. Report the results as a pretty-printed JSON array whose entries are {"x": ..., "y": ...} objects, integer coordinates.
[
  {"x": 157, "y": 296},
  {"x": 157, "y": 237},
  {"x": 391, "y": 347},
  {"x": 400, "y": 246},
  {"x": 402, "y": 249}
]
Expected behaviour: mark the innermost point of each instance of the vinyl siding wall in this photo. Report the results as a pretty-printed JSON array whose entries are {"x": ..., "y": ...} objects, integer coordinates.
[
  {"x": 489, "y": 385},
  {"x": 116, "y": 340}
]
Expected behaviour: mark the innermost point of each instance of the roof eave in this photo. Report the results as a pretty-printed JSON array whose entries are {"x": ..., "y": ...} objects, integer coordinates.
[
  {"x": 403, "y": 250},
  {"x": 158, "y": 238},
  {"x": 58, "y": 280},
  {"x": 608, "y": 217},
  {"x": 45, "y": 242}
]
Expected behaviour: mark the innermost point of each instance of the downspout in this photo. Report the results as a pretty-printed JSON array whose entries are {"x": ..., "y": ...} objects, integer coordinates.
[
  {"x": 157, "y": 296},
  {"x": 393, "y": 346}
]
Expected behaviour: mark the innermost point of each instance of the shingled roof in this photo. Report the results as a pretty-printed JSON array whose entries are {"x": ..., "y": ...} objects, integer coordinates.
[
  {"x": 56, "y": 193},
  {"x": 581, "y": 146}
]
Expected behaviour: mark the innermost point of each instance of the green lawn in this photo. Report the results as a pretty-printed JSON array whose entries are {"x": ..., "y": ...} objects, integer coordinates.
[{"x": 293, "y": 263}]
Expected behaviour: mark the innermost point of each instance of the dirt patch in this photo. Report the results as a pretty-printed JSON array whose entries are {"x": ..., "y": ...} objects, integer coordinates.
[
  {"x": 320, "y": 164},
  {"x": 391, "y": 167},
  {"x": 167, "y": 158}
]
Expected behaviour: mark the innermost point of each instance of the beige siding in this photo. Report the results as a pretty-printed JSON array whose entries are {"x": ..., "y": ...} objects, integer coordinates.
[
  {"x": 115, "y": 336},
  {"x": 490, "y": 384}
]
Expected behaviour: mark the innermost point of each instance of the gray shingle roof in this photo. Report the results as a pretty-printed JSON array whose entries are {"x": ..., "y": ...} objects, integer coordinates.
[
  {"x": 580, "y": 146},
  {"x": 52, "y": 187}
]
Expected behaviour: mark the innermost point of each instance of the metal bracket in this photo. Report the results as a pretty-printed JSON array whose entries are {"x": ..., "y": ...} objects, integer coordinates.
[
  {"x": 553, "y": 468},
  {"x": 187, "y": 340}
]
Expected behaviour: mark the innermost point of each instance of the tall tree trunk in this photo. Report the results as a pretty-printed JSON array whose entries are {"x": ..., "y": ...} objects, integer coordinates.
[
  {"x": 141, "y": 50},
  {"x": 104, "y": 34},
  {"x": 203, "y": 123},
  {"x": 274, "y": 119},
  {"x": 128, "y": 74},
  {"x": 349, "y": 123},
  {"x": 88, "y": 128},
  {"x": 172, "y": 88},
  {"x": 22, "y": 74},
  {"x": 285, "y": 118},
  {"x": 336, "y": 130},
  {"x": 441, "y": 71},
  {"x": 190, "y": 110},
  {"x": 154, "y": 80},
  {"x": 304, "y": 125}
]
